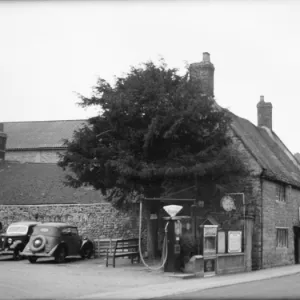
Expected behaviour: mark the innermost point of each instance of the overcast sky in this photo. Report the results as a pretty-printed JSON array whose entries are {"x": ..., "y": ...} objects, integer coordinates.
[{"x": 49, "y": 50}]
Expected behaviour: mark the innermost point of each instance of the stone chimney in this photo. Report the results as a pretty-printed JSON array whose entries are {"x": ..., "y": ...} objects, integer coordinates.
[
  {"x": 264, "y": 113},
  {"x": 3, "y": 138},
  {"x": 204, "y": 73}
]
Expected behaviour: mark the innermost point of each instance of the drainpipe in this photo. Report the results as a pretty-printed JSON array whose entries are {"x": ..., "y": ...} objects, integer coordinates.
[{"x": 261, "y": 220}]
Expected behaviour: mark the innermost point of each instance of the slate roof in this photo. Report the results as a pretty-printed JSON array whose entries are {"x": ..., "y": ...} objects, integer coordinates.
[
  {"x": 277, "y": 162},
  {"x": 39, "y": 134},
  {"x": 34, "y": 183}
]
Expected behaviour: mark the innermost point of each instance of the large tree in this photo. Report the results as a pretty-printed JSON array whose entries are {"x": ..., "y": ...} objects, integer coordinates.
[{"x": 155, "y": 133}]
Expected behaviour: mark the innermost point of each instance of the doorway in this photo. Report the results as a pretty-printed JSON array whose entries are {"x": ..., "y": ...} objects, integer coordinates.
[{"x": 297, "y": 244}]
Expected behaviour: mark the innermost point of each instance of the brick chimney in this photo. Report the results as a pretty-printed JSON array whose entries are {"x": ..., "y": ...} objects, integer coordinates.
[
  {"x": 204, "y": 73},
  {"x": 264, "y": 113},
  {"x": 3, "y": 138}
]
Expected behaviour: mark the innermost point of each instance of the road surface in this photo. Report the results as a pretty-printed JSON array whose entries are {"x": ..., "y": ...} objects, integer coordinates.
[
  {"x": 75, "y": 278},
  {"x": 286, "y": 287}
]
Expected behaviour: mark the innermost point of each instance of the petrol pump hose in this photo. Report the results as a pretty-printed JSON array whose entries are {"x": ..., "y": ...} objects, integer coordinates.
[{"x": 164, "y": 248}]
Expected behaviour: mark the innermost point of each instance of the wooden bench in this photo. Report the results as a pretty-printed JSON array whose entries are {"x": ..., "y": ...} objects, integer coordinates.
[{"x": 124, "y": 248}]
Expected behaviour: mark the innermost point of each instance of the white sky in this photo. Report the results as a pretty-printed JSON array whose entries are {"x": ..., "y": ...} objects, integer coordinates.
[{"x": 49, "y": 50}]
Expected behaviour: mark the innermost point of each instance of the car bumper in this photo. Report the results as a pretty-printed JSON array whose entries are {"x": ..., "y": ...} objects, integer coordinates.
[
  {"x": 6, "y": 252},
  {"x": 33, "y": 254},
  {"x": 28, "y": 253}
]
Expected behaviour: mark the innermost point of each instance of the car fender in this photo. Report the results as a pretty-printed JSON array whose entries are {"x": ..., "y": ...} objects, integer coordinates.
[
  {"x": 15, "y": 244},
  {"x": 86, "y": 242},
  {"x": 56, "y": 247}
]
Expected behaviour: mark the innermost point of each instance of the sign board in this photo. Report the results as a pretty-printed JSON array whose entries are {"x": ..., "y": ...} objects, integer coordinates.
[
  {"x": 210, "y": 230},
  {"x": 221, "y": 242},
  {"x": 234, "y": 241},
  {"x": 153, "y": 217},
  {"x": 209, "y": 265}
]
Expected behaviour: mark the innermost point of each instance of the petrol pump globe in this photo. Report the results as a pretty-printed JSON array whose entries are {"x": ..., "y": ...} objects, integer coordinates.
[{"x": 172, "y": 210}]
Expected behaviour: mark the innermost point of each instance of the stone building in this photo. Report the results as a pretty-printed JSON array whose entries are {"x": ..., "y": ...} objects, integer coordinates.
[
  {"x": 273, "y": 184},
  {"x": 32, "y": 183}
]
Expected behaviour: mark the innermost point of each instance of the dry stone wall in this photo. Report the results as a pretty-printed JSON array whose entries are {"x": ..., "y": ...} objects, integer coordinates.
[{"x": 95, "y": 221}]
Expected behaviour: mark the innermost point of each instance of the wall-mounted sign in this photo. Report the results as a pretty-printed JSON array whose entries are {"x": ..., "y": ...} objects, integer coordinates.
[
  {"x": 153, "y": 217},
  {"x": 234, "y": 241},
  {"x": 221, "y": 242}
]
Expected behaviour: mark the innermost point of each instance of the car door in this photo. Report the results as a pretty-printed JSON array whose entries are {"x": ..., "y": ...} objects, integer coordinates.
[
  {"x": 67, "y": 239},
  {"x": 76, "y": 241}
]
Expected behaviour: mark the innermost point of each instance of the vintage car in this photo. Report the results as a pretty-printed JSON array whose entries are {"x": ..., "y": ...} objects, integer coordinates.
[
  {"x": 58, "y": 240},
  {"x": 16, "y": 237}
]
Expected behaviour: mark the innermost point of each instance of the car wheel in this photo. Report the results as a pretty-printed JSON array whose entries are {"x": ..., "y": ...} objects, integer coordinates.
[
  {"x": 32, "y": 259},
  {"x": 87, "y": 252},
  {"x": 17, "y": 254},
  {"x": 60, "y": 255}
]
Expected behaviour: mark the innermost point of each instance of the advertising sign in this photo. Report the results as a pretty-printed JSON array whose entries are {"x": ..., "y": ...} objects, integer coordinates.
[
  {"x": 209, "y": 265},
  {"x": 210, "y": 230},
  {"x": 234, "y": 241},
  {"x": 221, "y": 242}
]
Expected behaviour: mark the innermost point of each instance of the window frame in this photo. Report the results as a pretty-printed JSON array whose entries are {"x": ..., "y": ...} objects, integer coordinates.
[
  {"x": 286, "y": 243},
  {"x": 281, "y": 193}
]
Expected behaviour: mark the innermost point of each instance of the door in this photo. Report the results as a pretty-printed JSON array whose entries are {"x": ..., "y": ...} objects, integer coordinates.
[{"x": 297, "y": 244}]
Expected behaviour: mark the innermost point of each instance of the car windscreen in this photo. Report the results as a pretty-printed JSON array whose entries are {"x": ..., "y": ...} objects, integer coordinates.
[
  {"x": 17, "y": 229},
  {"x": 46, "y": 230}
]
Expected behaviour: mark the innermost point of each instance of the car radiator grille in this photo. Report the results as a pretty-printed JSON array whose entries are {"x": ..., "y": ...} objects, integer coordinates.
[{"x": 2, "y": 243}]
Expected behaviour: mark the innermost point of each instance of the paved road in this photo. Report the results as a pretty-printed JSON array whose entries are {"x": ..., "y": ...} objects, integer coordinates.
[
  {"x": 277, "y": 288},
  {"x": 76, "y": 278}
]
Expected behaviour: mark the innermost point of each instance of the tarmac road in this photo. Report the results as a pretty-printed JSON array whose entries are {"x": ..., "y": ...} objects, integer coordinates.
[
  {"x": 286, "y": 287},
  {"x": 75, "y": 278}
]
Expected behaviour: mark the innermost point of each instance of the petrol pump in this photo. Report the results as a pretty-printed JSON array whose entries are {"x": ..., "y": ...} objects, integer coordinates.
[{"x": 173, "y": 230}]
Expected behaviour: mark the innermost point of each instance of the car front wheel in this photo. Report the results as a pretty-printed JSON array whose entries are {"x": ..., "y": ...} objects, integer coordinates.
[
  {"x": 17, "y": 254},
  {"x": 32, "y": 259},
  {"x": 87, "y": 252}
]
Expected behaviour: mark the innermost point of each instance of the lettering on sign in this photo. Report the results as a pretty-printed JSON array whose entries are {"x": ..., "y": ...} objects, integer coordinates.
[{"x": 210, "y": 231}]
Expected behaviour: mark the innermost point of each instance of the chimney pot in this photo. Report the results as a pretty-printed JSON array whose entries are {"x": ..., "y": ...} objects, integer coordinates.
[{"x": 262, "y": 99}]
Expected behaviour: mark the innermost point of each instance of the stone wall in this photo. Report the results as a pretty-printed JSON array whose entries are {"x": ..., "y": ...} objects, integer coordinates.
[
  {"x": 279, "y": 214},
  {"x": 252, "y": 190},
  {"x": 93, "y": 220}
]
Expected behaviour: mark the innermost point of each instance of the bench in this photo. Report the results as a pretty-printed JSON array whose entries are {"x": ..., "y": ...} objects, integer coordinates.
[{"x": 124, "y": 248}]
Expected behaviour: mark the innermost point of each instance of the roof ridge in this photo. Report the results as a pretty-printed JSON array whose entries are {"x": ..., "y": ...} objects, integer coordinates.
[{"x": 70, "y": 120}]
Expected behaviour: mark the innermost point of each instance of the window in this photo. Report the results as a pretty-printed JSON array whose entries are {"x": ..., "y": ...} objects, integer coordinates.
[
  {"x": 280, "y": 192},
  {"x": 281, "y": 237},
  {"x": 74, "y": 231}
]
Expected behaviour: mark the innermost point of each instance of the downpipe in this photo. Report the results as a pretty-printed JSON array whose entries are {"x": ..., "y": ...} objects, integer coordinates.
[{"x": 165, "y": 243}]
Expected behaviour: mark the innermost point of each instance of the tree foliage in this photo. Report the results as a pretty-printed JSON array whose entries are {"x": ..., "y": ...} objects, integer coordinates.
[{"x": 155, "y": 133}]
